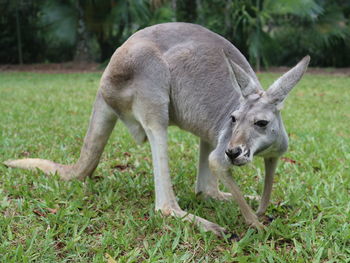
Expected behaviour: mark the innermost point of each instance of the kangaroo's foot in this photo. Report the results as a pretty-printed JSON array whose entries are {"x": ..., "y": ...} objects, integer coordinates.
[
  {"x": 216, "y": 194},
  {"x": 257, "y": 225},
  {"x": 199, "y": 221}
]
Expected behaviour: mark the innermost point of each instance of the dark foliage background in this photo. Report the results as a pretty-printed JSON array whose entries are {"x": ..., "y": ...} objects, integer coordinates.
[{"x": 267, "y": 32}]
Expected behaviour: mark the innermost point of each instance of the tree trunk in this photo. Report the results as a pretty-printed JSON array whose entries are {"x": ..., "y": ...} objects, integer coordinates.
[
  {"x": 82, "y": 51},
  {"x": 108, "y": 46},
  {"x": 19, "y": 36}
]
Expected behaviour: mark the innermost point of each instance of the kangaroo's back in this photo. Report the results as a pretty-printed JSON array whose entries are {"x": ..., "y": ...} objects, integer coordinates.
[{"x": 189, "y": 59}]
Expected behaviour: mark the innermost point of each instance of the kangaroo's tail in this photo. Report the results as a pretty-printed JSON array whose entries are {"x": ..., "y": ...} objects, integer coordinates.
[
  {"x": 102, "y": 122},
  {"x": 48, "y": 167}
]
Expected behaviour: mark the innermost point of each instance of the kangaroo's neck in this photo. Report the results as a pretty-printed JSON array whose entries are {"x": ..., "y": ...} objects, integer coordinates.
[{"x": 282, "y": 140}]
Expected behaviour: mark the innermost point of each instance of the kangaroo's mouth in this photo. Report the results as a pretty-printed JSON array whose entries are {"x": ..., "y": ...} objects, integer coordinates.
[
  {"x": 240, "y": 161},
  {"x": 243, "y": 158}
]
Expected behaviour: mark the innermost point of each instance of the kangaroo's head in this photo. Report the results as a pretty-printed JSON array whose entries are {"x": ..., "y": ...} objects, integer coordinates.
[{"x": 256, "y": 126}]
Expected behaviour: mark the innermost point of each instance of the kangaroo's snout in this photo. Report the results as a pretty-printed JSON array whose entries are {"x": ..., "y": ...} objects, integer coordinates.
[
  {"x": 238, "y": 155},
  {"x": 233, "y": 153}
]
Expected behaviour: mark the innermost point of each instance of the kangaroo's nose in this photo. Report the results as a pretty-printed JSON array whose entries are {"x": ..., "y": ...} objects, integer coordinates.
[{"x": 233, "y": 153}]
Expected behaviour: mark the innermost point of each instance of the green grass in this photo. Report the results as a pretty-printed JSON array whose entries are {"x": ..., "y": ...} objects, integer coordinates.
[{"x": 43, "y": 219}]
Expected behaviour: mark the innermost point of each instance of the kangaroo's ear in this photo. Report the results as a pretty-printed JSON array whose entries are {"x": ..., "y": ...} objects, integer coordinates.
[
  {"x": 282, "y": 86},
  {"x": 241, "y": 79}
]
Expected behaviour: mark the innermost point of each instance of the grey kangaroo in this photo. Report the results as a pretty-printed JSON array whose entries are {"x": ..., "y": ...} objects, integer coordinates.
[{"x": 183, "y": 74}]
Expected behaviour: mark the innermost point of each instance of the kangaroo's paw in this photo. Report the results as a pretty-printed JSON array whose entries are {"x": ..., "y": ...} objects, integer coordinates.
[
  {"x": 218, "y": 195},
  {"x": 257, "y": 225},
  {"x": 266, "y": 220},
  {"x": 48, "y": 167},
  {"x": 199, "y": 221},
  {"x": 252, "y": 197},
  {"x": 260, "y": 212}
]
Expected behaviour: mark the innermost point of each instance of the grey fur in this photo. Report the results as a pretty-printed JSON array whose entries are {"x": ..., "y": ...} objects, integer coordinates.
[{"x": 185, "y": 75}]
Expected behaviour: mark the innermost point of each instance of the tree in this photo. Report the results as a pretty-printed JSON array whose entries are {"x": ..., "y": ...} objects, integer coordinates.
[
  {"x": 185, "y": 10},
  {"x": 20, "y": 40},
  {"x": 112, "y": 22},
  {"x": 64, "y": 24},
  {"x": 257, "y": 20},
  {"x": 322, "y": 35},
  {"x": 108, "y": 22},
  {"x": 62, "y": 30}
]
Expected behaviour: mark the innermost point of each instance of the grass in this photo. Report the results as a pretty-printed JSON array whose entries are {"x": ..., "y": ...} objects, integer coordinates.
[{"x": 111, "y": 215}]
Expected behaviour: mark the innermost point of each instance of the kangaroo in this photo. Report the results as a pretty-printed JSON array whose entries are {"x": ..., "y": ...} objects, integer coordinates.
[{"x": 183, "y": 74}]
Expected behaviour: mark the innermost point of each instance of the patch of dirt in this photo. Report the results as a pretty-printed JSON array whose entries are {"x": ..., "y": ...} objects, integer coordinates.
[{"x": 68, "y": 67}]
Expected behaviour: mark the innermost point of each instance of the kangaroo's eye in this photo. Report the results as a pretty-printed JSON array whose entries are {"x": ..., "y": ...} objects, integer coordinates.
[
  {"x": 261, "y": 123},
  {"x": 233, "y": 119}
]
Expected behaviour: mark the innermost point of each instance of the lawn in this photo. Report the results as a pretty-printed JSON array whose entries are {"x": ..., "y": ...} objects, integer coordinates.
[{"x": 111, "y": 215}]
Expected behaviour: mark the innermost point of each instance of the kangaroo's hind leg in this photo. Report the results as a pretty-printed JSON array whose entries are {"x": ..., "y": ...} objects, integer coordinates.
[{"x": 102, "y": 122}]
